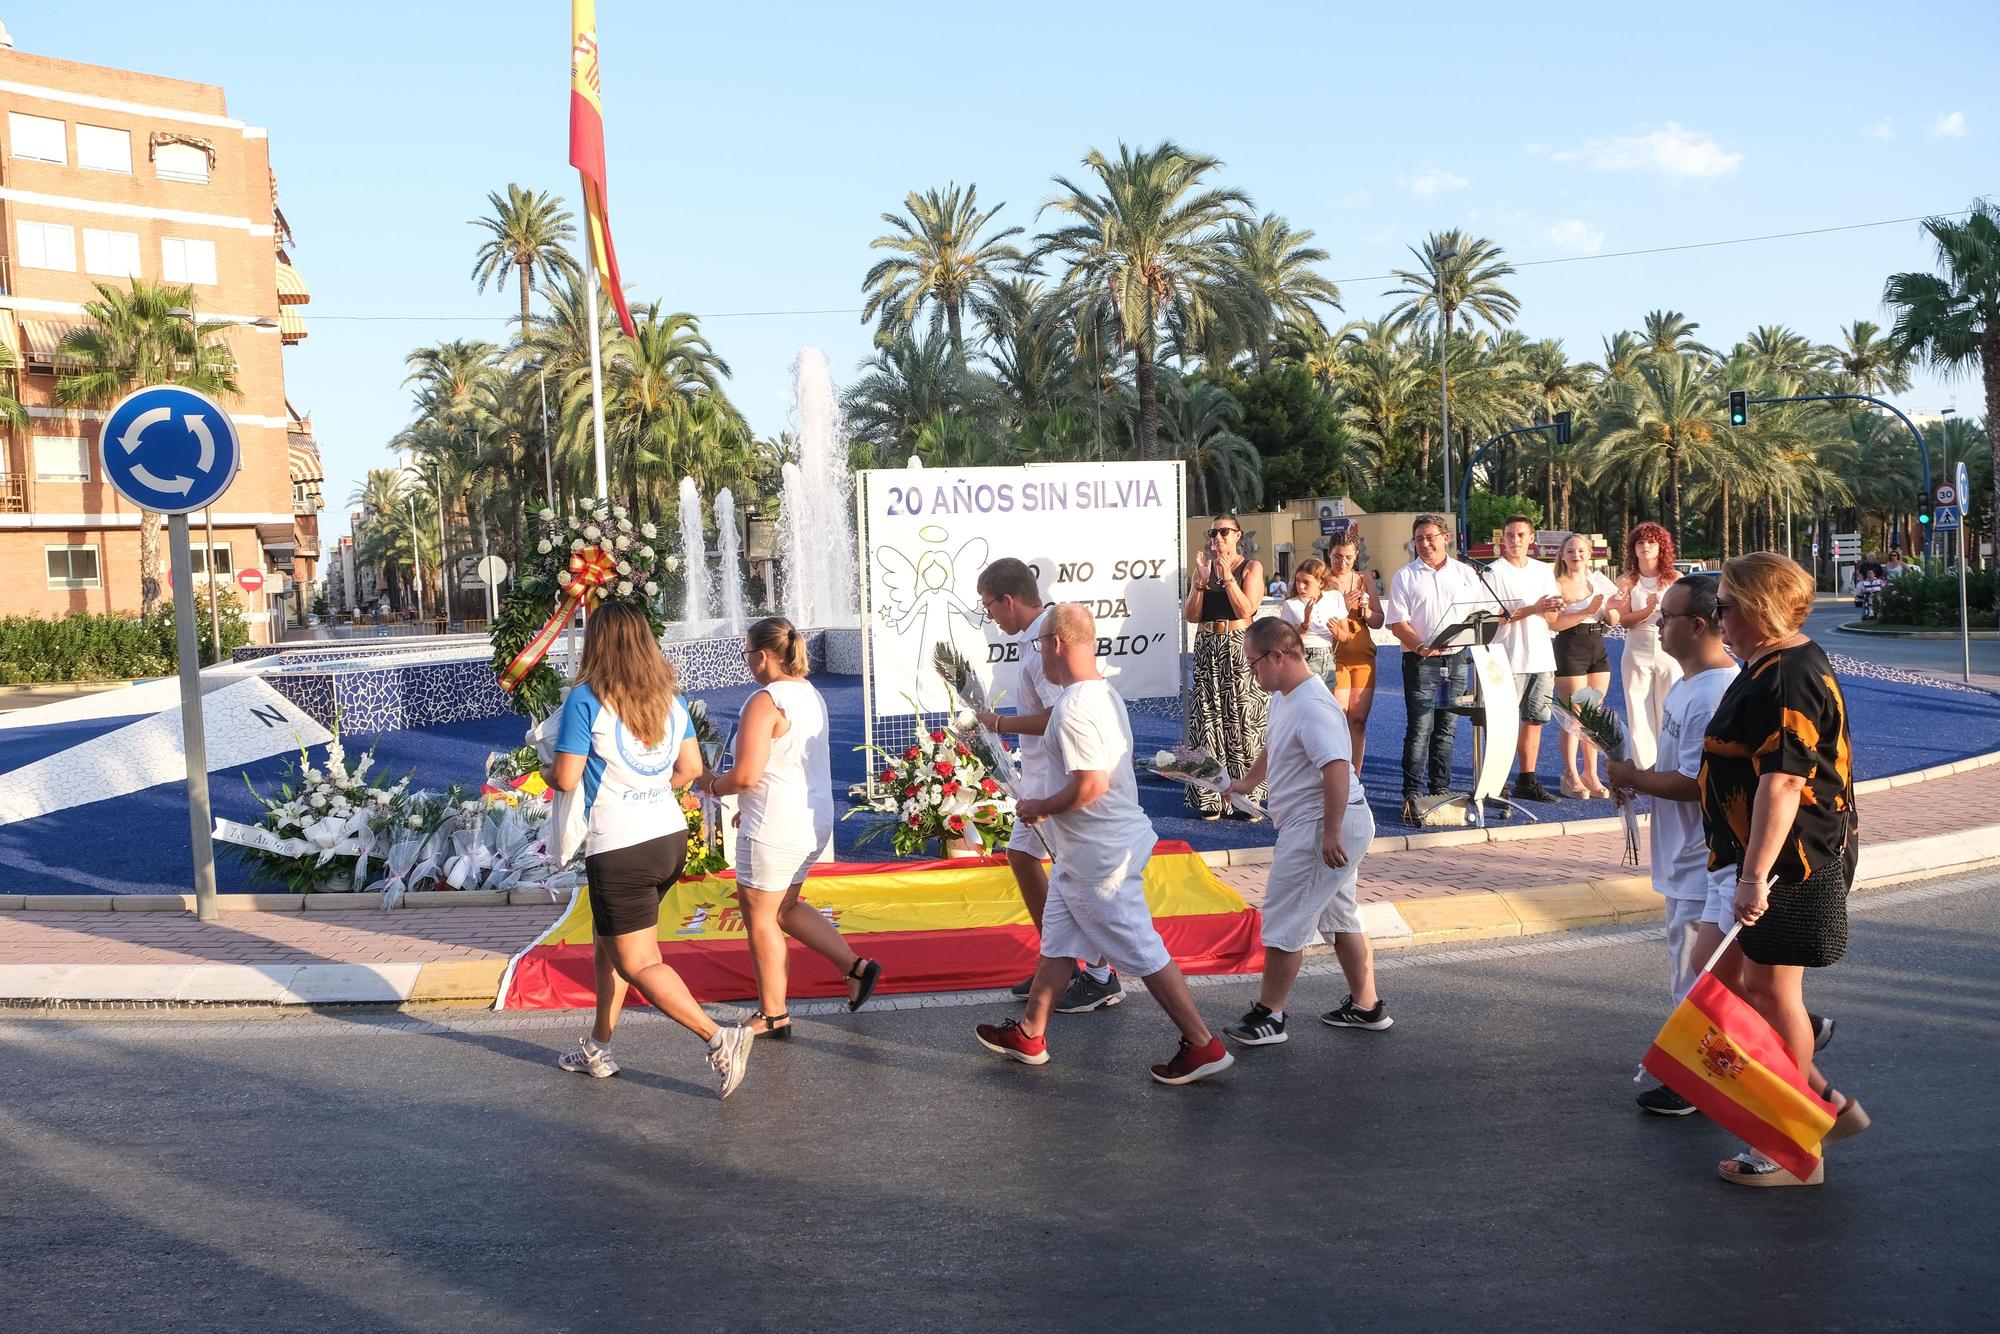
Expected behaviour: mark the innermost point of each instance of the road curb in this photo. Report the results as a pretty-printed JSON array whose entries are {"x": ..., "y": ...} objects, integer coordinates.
[
  {"x": 1392, "y": 924},
  {"x": 1856, "y": 628}
]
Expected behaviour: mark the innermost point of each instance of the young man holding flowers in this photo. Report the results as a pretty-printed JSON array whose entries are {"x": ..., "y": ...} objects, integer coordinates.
[{"x": 1102, "y": 841}]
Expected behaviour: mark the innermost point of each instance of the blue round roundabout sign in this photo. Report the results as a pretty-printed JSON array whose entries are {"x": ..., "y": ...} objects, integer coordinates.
[{"x": 170, "y": 450}]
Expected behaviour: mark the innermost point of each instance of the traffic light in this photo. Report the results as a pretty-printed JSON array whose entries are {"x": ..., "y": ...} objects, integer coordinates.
[
  {"x": 1562, "y": 428},
  {"x": 1739, "y": 407}
]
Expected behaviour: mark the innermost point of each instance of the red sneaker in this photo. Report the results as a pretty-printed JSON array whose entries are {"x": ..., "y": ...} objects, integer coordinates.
[
  {"x": 1007, "y": 1039},
  {"x": 1191, "y": 1062}
]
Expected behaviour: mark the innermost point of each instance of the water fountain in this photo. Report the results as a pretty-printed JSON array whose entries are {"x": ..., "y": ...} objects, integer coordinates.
[
  {"x": 694, "y": 558},
  {"x": 816, "y": 529},
  {"x": 729, "y": 553}
]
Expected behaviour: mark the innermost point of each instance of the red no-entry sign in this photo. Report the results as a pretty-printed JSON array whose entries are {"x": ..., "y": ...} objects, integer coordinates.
[{"x": 250, "y": 579}]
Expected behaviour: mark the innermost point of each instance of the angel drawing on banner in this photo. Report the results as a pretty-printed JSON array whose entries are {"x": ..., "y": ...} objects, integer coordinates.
[{"x": 924, "y": 595}]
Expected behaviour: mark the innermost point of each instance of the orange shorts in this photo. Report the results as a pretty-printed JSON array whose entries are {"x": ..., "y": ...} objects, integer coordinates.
[{"x": 1353, "y": 675}]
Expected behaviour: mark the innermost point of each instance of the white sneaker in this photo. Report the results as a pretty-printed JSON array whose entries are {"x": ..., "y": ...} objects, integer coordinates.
[
  {"x": 730, "y": 1056},
  {"x": 589, "y": 1060}
]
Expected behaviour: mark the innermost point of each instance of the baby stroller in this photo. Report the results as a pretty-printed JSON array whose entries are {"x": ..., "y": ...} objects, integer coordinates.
[{"x": 1868, "y": 596}]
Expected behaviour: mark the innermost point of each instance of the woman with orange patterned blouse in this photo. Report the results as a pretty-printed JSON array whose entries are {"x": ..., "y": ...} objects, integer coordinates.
[{"x": 1777, "y": 803}]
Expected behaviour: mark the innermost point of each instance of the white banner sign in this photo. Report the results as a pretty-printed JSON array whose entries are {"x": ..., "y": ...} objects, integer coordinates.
[{"x": 1108, "y": 535}]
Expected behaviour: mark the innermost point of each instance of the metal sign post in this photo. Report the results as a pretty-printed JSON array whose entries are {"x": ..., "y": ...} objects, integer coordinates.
[
  {"x": 173, "y": 451},
  {"x": 1964, "y": 618},
  {"x": 194, "y": 741}
]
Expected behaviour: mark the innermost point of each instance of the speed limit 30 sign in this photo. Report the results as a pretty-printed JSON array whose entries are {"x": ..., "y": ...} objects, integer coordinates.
[{"x": 1947, "y": 494}]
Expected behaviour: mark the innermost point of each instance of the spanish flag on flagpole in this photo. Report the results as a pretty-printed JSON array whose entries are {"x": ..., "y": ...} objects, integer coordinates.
[
  {"x": 1722, "y": 1056},
  {"x": 586, "y": 150}
]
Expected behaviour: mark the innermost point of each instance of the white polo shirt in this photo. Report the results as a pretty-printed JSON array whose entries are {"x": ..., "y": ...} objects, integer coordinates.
[
  {"x": 1529, "y": 644},
  {"x": 1430, "y": 599}
]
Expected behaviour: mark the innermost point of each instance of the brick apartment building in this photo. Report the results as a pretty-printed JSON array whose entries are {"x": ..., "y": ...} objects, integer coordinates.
[{"x": 108, "y": 175}]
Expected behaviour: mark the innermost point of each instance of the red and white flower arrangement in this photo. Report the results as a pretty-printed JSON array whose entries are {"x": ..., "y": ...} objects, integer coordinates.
[{"x": 941, "y": 790}]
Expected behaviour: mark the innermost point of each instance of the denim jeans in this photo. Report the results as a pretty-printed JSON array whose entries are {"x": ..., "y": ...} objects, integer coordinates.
[{"x": 1427, "y": 729}]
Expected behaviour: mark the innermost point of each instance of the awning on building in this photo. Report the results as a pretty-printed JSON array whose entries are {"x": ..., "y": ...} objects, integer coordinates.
[
  {"x": 302, "y": 457},
  {"x": 44, "y": 338},
  {"x": 291, "y": 328},
  {"x": 291, "y": 287}
]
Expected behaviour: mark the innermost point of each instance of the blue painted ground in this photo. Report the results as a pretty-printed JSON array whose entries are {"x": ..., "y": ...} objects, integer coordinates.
[{"x": 140, "y": 843}]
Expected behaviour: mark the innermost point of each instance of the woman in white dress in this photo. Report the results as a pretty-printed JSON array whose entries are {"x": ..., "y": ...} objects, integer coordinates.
[
  {"x": 1312, "y": 609},
  {"x": 1646, "y": 670},
  {"x": 1580, "y": 657},
  {"x": 783, "y": 780}
]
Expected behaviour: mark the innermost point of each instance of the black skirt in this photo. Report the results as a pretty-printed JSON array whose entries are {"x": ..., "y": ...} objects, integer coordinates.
[{"x": 1805, "y": 925}]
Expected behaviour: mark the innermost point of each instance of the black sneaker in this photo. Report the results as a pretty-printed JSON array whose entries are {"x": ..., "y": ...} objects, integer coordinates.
[
  {"x": 1663, "y": 1101},
  {"x": 1021, "y": 989},
  {"x": 1822, "y": 1030},
  {"x": 1259, "y": 1028},
  {"x": 1085, "y": 993},
  {"x": 1350, "y": 1015},
  {"x": 1527, "y": 787}
]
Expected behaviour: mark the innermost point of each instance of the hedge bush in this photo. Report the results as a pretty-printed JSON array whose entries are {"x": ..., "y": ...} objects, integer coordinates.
[
  {"x": 1930, "y": 598},
  {"x": 114, "y": 646}
]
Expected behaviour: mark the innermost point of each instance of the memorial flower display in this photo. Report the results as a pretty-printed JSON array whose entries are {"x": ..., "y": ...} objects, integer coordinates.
[{"x": 940, "y": 791}]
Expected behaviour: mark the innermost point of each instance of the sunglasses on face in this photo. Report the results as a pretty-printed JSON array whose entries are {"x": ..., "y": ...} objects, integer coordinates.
[
  {"x": 1223, "y": 532},
  {"x": 1724, "y": 608}
]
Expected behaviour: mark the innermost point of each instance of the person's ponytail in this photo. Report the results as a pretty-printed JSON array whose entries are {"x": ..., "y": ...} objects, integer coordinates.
[{"x": 781, "y": 639}]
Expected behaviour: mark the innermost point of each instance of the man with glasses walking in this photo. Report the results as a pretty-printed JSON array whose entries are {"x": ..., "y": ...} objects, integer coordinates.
[{"x": 1008, "y": 591}]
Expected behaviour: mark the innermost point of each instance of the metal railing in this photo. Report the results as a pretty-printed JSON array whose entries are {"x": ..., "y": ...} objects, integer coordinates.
[{"x": 13, "y": 494}]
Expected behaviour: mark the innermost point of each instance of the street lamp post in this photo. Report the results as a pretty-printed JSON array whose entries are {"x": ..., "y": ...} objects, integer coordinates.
[{"x": 416, "y": 562}]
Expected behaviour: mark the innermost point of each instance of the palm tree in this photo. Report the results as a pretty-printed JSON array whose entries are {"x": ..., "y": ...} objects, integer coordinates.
[
  {"x": 1198, "y": 426},
  {"x": 527, "y": 233},
  {"x": 940, "y": 262},
  {"x": 1459, "y": 273},
  {"x": 1952, "y": 322},
  {"x": 1666, "y": 333},
  {"x": 1782, "y": 353},
  {"x": 147, "y": 335},
  {"x": 1148, "y": 243},
  {"x": 1665, "y": 416},
  {"x": 1276, "y": 262},
  {"x": 1867, "y": 362},
  {"x": 904, "y": 389},
  {"x": 652, "y": 431},
  {"x": 397, "y": 508}
]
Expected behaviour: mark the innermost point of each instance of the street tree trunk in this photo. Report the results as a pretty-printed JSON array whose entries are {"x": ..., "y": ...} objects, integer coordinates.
[
  {"x": 1149, "y": 403},
  {"x": 149, "y": 562},
  {"x": 526, "y": 272}
]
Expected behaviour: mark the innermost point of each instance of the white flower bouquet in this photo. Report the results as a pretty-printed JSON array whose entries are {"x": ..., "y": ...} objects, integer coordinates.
[{"x": 1195, "y": 767}]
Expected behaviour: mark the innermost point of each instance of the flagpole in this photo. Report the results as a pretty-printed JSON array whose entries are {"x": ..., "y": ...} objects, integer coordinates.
[{"x": 596, "y": 379}]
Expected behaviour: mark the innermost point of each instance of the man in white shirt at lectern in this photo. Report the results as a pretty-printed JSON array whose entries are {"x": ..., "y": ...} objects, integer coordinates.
[
  {"x": 1431, "y": 592},
  {"x": 1527, "y": 592}
]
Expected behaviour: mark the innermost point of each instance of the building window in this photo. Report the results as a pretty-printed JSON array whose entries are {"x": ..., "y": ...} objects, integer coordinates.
[
  {"x": 62, "y": 458},
  {"x": 187, "y": 261},
  {"x": 220, "y": 562},
  {"x": 181, "y": 162},
  {"x": 101, "y": 149},
  {"x": 46, "y": 245},
  {"x": 72, "y": 567},
  {"x": 36, "y": 137},
  {"x": 112, "y": 254}
]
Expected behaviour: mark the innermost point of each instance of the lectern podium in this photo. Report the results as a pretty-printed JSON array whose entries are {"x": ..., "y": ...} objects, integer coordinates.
[{"x": 1493, "y": 688}]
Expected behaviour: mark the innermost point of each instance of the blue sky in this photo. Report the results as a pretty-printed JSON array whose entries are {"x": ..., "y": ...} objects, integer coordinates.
[{"x": 752, "y": 147}]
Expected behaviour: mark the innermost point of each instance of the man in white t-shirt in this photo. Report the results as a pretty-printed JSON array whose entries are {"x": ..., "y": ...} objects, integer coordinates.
[
  {"x": 1008, "y": 591},
  {"x": 1324, "y": 828},
  {"x": 1527, "y": 592},
  {"x": 1102, "y": 841},
  {"x": 1698, "y": 899}
]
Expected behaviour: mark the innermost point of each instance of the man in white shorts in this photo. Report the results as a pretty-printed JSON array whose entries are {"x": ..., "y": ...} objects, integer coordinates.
[
  {"x": 1324, "y": 828},
  {"x": 1102, "y": 842},
  {"x": 1008, "y": 591}
]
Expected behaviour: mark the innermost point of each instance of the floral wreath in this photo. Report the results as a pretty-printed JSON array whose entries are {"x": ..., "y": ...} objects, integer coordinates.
[{"x": 583, "y": 556}]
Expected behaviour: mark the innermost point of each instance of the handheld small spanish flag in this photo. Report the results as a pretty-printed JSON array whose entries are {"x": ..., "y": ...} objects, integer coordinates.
[
  {"x": 1722, "y": 1056},
  {"x": 586, "y": 151}
]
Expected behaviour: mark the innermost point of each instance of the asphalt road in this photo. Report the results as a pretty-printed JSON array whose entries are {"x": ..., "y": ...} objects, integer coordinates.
[
  {"x": 1945, "y": 656},
  {"x": 1481, "y": 1162}
]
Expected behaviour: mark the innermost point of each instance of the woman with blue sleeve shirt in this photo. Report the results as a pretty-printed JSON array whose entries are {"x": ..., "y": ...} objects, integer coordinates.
[{"x": 626, "y": 736}]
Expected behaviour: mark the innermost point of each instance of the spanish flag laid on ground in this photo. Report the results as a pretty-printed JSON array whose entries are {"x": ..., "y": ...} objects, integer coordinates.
[
  {"x": 586, "y": 150},
  {"x": 1723, "y": 1057},
  {"x": 955, "y": 925}
]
